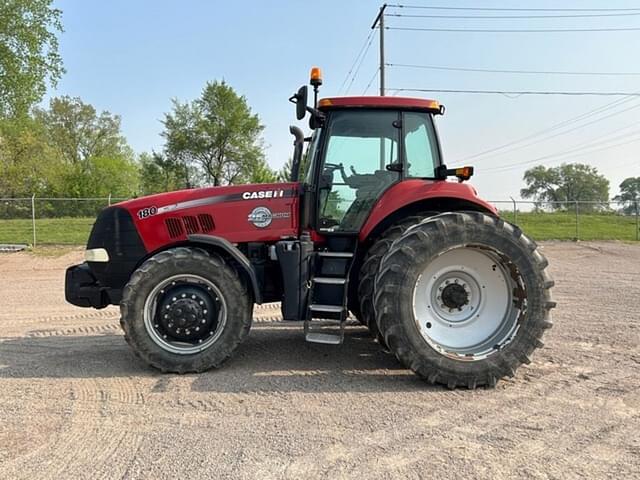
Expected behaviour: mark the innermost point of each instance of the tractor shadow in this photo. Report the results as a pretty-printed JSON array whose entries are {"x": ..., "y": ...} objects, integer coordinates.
[{"x": 275, "y": 358}]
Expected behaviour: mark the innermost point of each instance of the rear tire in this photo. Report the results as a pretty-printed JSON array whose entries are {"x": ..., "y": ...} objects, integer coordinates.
[
  {"x": 463, "y": 299},
  {"x": 370, "y": 267},
  {"x": 185, "y": 310}
]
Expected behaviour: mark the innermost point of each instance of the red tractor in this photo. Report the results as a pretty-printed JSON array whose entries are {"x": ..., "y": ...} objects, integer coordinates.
[{"x": 369, "y": 224}]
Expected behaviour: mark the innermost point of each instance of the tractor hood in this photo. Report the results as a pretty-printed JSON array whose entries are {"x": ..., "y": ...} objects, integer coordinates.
[{"x": 238, "y": 213}]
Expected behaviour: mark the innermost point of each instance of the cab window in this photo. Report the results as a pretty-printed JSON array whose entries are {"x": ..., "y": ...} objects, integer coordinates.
[{"x": 420, "y": 145}]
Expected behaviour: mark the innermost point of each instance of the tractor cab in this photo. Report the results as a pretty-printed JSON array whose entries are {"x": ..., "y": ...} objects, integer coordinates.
[{"x": 361, "y": 147}]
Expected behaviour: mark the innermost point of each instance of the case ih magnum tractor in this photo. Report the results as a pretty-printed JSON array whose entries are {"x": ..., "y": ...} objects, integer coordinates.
[{"x": 369, "y": 224}]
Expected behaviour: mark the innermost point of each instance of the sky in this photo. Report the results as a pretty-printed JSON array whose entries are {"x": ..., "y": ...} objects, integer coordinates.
[{"x": 132, "y": 57}]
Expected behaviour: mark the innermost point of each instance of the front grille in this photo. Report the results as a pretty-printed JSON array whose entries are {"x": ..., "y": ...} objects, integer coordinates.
[
  {"x": 174, "y": 226},
  {"x": 191, "y": 224},
  {"x": 206, "y": 222}
]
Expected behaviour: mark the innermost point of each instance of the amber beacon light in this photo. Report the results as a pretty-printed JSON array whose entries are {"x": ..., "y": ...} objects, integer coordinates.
[{"x": 316, "y": 77}]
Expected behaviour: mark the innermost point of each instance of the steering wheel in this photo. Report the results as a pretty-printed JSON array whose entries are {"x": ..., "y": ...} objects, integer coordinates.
[{"x": 332, "y": 167}]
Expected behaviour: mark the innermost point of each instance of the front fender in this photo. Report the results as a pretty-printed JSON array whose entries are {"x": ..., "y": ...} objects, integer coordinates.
[{"x": 227, "y": 247}]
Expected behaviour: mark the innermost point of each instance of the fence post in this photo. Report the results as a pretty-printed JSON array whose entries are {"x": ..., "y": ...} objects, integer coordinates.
[
  {"x": 637, "y": 221},
  {"x": 33, "y": 218},
  {"x": 109, "y": 201},
  {"x": 515, "y": 211},
  {"x": 577, "y": 222}
]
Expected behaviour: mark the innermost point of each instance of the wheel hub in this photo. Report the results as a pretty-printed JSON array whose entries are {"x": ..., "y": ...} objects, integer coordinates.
[
  {"x": 187, "y": 315},
  {"x": 455, "y": 295}
]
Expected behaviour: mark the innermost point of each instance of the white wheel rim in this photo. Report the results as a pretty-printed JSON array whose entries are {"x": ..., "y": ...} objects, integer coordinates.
[
  {"x": 463, "y": 303},
  {"x": 177, "y": 347}
]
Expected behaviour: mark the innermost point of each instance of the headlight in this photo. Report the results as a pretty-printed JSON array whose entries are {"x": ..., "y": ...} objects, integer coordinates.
[{"x": 96, "y": 255}]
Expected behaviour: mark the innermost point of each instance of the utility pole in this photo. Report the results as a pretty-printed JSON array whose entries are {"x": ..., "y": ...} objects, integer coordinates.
[{"x": 379, "y": 21}]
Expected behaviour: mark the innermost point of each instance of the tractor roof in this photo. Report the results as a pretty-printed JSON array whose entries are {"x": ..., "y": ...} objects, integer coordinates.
[{"x": 380, "y": 102}]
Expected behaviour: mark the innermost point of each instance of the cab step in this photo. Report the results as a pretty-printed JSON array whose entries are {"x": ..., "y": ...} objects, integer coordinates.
[
  {"x": 314, "y": 307},
  {"x": 330, "y": 280},
  {"x": 325, "y": 338},
  {"x": 328, "y": 332},
  {"x": 335, "y": 254}
]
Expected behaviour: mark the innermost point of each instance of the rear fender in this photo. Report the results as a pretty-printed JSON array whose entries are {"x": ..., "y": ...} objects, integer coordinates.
[{"x": 412, "y": 196}]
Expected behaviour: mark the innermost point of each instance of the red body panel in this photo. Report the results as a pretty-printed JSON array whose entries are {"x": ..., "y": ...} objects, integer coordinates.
[
  {"x": 230, "y": 207},
  {"x": 380, "y": 102},
  {"x": 411, "y": 191}
]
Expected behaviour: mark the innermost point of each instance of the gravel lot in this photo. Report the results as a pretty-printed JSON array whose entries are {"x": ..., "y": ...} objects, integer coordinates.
[{"x": 76, "y": 403}]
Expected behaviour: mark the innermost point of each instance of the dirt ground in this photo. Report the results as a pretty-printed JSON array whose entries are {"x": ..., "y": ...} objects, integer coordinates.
[{"x": 76, "y": 403}]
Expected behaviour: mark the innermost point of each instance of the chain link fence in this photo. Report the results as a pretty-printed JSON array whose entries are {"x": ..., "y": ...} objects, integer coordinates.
[
  {"x": 68, "y": 221},
  {"x": 53, "y": 221}
]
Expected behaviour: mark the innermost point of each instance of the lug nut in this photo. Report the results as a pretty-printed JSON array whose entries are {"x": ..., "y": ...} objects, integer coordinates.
[{"x": 183, "y": 295}]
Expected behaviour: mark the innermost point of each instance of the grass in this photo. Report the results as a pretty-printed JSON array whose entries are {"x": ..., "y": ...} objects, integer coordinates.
[
  {"x": 540, "y": 226},
  {"x": 562, "y": 226},
  {"x": 49, "y": 231}
]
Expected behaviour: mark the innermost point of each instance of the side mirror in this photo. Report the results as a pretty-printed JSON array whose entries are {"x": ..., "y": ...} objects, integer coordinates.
[
  {"x": 461, "y": 173},
  {"x": 300, "y": 98}
]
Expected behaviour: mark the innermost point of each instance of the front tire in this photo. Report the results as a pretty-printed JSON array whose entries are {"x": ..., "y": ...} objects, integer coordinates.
[
  {"x": 463, "y": 299},
  {"x": 185, "y": 310}
]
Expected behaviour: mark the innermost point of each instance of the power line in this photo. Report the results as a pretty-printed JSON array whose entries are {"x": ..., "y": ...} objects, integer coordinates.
[
  {"x": 562, "y": 156},
  {"x": 497, "y": 9},
  {"x": 524, "y": 72},
  {"x": 364, "y": 55},
  {"x": 375, "y": 74},
  {"x": 597, "y": 120},
  {"x": 533, "y": 30},
  {"x": 594, "y": 143},
  {"x": 518, "y": 93},
  {"x": 365, "y": 45},
  {"x": 552, "y": 129},
  {"x": 503, "y": 17}
]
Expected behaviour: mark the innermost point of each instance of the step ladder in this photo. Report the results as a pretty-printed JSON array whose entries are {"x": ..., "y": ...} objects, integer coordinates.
[{"x": 327, "y": 310}]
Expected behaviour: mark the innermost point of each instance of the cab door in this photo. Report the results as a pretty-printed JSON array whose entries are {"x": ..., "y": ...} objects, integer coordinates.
[{"x": 361, "y": 158}]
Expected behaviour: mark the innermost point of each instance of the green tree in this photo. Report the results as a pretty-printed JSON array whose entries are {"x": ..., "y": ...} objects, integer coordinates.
[
  {"x": 28, "y": 164},
  {"x": 217, "y": 133},
  {"x": 29, "y": 55},
  {"x": 629, "y": 194},
  {"x": 159, "y": 173},
  {"x": 96, "y": 157},
  {"x": 566, "y": 184},
  {"x": 284, "y": 174},
  {"x": 80, "y": 133},
  {"x": 260, "y": 172}
]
